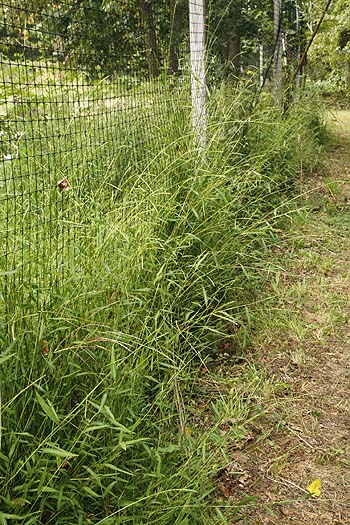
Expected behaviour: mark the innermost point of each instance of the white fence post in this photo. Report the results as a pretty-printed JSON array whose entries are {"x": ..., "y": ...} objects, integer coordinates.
[
  {"x": 198, "y": 70},
  {"x": 261, "y": 65},
  {"x": 297, "y": 28}
]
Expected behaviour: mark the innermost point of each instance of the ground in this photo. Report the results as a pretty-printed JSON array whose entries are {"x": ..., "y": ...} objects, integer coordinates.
[{"x": 304, "y": 432}]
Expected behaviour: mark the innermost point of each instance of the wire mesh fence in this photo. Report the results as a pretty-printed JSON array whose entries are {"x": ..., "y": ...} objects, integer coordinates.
[
  {"x": 125, "y": 159},
  {"x": 90, "y": 93},
  {"x": 84, "y": 104}
]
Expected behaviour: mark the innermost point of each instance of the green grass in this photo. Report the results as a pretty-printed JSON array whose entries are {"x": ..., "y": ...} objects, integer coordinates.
[{"x": 123, "y": 291}]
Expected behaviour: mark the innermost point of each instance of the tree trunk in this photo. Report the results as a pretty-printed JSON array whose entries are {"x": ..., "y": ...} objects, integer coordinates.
[
  {"x": 343, "y": 41},
  {"x": 277, "y": 62},
  {"x": 233, "y": 46},
  {"x": 302, "y": 32},
  {"x": 347, "y": 65},
  {"x": 150, "y": 38},
  {"x": 233, "y": 50},
  {"x": 175, "y": 36}
]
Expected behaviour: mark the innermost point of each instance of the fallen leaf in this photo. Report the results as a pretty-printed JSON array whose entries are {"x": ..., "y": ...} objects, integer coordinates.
[
  {"x": 63, "y": 185},
  {"x": 239, "y": 456},
  {"x": 225, "y": 490},
  {"x": 187, "y": 432},
  {"x": 232, "y": 467},
  {"x": 242, "y": 480},
  {"x": 286, "y": 511},
  {"x": 315, "y": 488}
]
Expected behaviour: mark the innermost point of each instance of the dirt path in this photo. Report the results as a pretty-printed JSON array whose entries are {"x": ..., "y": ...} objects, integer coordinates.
[{"x": 305, "y": 433}]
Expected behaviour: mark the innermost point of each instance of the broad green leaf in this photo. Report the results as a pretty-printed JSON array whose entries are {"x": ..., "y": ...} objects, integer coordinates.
[
  {"x": 91, "y": 492},
  {"x": 58, "y": 452},
  {"x": 169, "y": 448},
  {"x": 6, "y": 516},
  {"x": 48, "y": 490},
  {"x": 106, "y": 411},
  {"x": 97, "y": 426},
  {"x": 48, "y": 408},
  {"x": 5, "y": 358},
  {"x": 113, "y": 367}
]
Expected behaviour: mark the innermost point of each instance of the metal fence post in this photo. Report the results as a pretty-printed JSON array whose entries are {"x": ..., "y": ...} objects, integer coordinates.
[
  {"x": 261, "y": 65},
  {"x": 198, "y": 70}
]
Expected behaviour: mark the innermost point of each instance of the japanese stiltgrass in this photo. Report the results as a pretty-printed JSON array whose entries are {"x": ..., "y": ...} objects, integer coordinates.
[{"x": 157, "y": 261}]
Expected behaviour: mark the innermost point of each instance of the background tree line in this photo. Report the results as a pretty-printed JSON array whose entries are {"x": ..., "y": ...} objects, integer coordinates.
[{"x": 151, "y": 36}]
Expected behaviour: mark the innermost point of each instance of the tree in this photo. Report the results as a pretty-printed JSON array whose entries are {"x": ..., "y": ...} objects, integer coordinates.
[
  {"x": 236, "y": 30},
  {"x": 330, "y": 53},
  {"x": 150, "y": 38},
  {"x": 178, "y": 26},
  {"x": 277, "y": 58}
]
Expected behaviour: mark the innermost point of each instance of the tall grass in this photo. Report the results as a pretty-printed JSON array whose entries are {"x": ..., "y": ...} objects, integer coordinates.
[{"x": 99, "y": 387}]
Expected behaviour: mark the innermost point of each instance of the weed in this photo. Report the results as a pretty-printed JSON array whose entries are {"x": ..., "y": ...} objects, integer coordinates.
[{"x": 106, "y": 417}]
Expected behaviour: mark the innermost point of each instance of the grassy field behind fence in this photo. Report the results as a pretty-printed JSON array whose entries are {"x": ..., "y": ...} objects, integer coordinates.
[
  {"x": 99, "y": 136},
  {"x": 127, "y": 285}
]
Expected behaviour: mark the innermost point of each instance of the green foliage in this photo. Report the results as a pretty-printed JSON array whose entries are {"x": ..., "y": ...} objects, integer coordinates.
[
  {"x": 99, "y": 391},
  {"x": 101, "y": 37},
  {"x": 251, "y": 23},
  {"x": 330, "y": 54},
  {"x": 106, "y": 38}
]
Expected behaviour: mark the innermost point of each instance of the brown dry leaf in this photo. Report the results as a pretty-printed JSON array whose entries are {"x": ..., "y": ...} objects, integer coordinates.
[
  {"x": 286, "y": 511},
  {"x": 112, "y": 297},
  {"x": 63, "y": 184},
  {"x": 224, "y": 489},
  {"x": 242, "y": 480},
  {"x": 232, "y": 467},
  {"x": 239, "y": 457}
]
